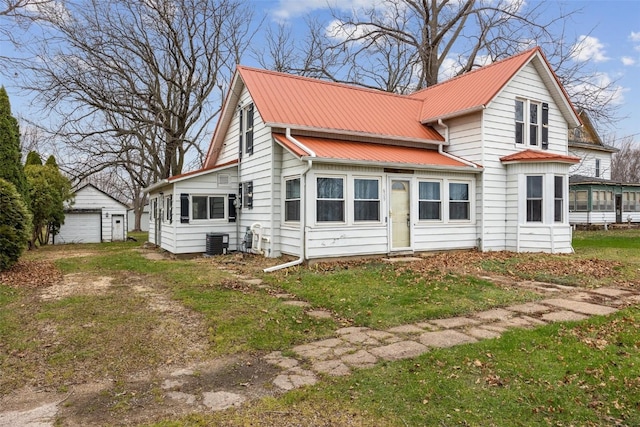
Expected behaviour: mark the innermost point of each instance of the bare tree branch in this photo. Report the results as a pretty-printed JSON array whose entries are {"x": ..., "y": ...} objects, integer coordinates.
[{"x": 406, "y": 45}]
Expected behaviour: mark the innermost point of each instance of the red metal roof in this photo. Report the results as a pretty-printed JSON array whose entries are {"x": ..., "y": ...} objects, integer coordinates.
[
  {"x": 539, "y": 156},
  {"x": 470, "y": 91},
  {"x": 305, "y": 103},
  {"x": 333, "y": 149}
]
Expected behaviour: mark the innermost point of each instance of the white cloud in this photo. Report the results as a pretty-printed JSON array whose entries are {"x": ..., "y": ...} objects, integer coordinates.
[
  {"x": 627, "y": 60},
  {"x": 287, "y": 9},
  {"x": 451, "y": 66},
  {"x": 600, "y": 89},
  {"x": 634, "y": 36},
  {"x": 589, "y": 48},
  {"x": 341, "y": 32}
]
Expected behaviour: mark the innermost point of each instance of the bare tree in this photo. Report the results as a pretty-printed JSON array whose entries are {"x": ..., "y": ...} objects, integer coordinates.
[
  {"x": 152, "y": 70},
  {"x": 406, "y": 45},
  {"x": 136, "y": 83},
  {"x": 625, "y": 164},
  {"x": 15, "y": 16}
]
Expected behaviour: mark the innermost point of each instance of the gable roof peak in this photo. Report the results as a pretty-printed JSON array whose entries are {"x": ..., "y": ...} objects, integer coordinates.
[{"x": 525, "y": 55}]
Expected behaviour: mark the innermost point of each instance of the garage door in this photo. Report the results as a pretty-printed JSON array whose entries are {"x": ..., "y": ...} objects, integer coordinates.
[{"x": 80, "y": 228}]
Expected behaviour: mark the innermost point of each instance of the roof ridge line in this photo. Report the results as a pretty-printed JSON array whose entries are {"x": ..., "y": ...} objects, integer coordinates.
[{"x": 329, "y": 82}]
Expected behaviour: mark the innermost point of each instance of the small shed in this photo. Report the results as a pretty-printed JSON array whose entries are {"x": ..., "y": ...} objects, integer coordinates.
[{"x": 94, "y": 217}]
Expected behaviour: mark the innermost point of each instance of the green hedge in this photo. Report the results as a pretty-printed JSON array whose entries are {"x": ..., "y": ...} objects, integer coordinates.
[{"x": 15, "y": 225}]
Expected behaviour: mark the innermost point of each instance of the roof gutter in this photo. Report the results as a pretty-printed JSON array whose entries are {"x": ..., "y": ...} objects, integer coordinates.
[
  {"x": 451, "y": 156},
  {"x": 155, "y": 186},
  {"x": 350, "y": 133},
  {"x": 368, "y": 163},
  {"x": 303, "y": 204}
]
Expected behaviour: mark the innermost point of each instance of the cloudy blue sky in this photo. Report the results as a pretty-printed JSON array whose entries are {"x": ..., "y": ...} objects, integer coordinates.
[{"x": 608, "y": 29}]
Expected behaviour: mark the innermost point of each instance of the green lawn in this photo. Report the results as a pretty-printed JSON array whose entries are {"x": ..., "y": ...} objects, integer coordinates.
[{"x": 582, "y": 373}]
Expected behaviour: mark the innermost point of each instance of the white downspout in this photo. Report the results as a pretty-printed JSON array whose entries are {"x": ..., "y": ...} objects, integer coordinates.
[{"x": 303, "y": 204}]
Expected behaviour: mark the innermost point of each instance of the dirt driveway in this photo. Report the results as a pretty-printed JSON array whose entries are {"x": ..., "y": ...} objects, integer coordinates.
[{"x": 186, "y": 380}]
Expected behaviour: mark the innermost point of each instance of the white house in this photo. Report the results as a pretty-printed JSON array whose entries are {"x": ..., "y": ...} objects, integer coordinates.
[
  {"x": 94, "y": 217},
  {"x": 594, "y": 198},
  {"x": 317, "y": 169}
]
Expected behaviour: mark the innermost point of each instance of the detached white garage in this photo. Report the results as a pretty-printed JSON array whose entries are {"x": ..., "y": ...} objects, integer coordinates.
[{"x": 94, "y": 217}]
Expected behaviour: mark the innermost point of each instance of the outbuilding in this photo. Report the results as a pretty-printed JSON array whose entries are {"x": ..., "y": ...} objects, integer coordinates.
[{"x": 94, "y": 217}]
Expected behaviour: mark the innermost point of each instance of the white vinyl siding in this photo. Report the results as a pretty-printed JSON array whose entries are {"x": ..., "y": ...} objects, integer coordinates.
[
  {"x": 498, "y": 193},
  {"x": 587, "y": 165},
  {"x": 89, "y": 198},
  {"x": 190, "y": 237}
]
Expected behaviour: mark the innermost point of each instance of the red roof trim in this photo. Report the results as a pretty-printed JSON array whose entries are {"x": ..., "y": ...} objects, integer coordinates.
[{"x": 533, "y": 156}]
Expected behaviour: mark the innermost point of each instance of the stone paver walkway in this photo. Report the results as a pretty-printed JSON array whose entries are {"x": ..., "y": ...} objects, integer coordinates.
[{"x": 360, "y": 348}]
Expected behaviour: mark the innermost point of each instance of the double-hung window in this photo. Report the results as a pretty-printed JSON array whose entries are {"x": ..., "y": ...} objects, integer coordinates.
[
  {"x": 519, "y": 121},
  {"x": 366, "y": 200},
  {"x": 459, "y": 204},
  {"x": 248, "y": 131},
  {"x": 534, "y": 123},
  {"x": 597, "y": 168},
  {"x": 558, "y": 201},
  {"x": 534, "y": 198},
  {"x": 330, "y": 199},
  {"x": 292, "y": 200},
  {"x": 531, "y": 123},
  {"x": 168, "y": 208},
  {"x": 429, "y": 201},
  {"x": 207, "y": 207}
]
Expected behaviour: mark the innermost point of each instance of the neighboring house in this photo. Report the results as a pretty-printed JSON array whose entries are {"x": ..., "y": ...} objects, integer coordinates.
[
  {"x": 94, "y": 217},
  {"x": 317, "y": 169},
  {"x": 593, "y": 197},
  {"x": 144, "y": 219}
]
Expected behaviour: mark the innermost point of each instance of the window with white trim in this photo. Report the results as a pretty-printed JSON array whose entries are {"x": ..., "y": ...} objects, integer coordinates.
[
  {"x": 429, "y": 200},
  {"x": 597, "y": 168},
  {"x": 168, "y": 208},
  {"x": 519, "y": 121},
  {"x": 558, "y": 200},
  {"x": 330, "y": 199},
  {"x": 459, "y": 204},
  {"x": 534, "y": 124},
  {"x": 534, "y": 198},
  {"x": 207, "y": 207},
  {"x": 292, "y": 200},
  {"x": 366, "y": 199},
  {"x": 248, "y": 130},
  {"x": 531, "y": 123}
]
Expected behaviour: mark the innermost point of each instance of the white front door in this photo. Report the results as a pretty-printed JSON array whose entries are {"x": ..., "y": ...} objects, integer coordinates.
[
  {"x": 400, "y": 215},
  {"x": 117, "y": 228}
]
